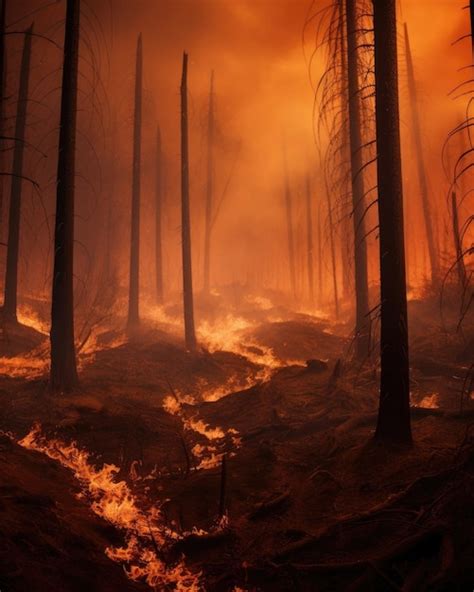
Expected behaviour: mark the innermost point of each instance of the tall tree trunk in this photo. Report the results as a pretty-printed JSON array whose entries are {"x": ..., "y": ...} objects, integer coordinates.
[
  {"x": 320, "y": 258},
  {"x": 309, "y": 241},
  {"x": 133, "y": 300},
  {"x": 158, "y": 219},
  {"x": 460, "y": 267},
  {"x": 63, "y": 353},
  {"x": 471, "y": 13},
  {"x": 333, "y": 255},
  {"x": 289, "y": 226},
  {"x": 209, "y": 188},
  {"x": 11, "y": 276},
  {"x": 425, "y": 199},
  {"x": 393, "y": 423},
  {"x": 358, "y": 201},
  {"x": 3, "y": 80},
  {"x": 190, "y": 335}
]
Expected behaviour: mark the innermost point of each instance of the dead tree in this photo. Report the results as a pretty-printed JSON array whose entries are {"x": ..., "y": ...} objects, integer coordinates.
[
  {"x": 133, "y": 300},
  {"x": 289, "y": 226},
  {"x": 309, "y": 240},
  {"x": 425, "y": 200},
  {"x": 158, "y": 219},
  {"x": 3, "y": 78},
  {"x": 63, "y": 353},
  {"x": 333, "y": 255},
  {"x": 190, "y": 335},
  {"x": 209, "y": 188},
  {"x": 393, "y": 425},
  {"x": 460, "y": 266},
  {"x": 13, "y": 247},
  {"x": 358, "y": 201}
]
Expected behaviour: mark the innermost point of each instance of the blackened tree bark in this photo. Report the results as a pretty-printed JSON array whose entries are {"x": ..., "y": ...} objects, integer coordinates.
[
  {"x": 425, "y": 199},
  {"x": 63, "y": 353},
  {"x": 158, "y": 219},
  {"x": 460, "y": 266},
  {"x": 358, "y": 201},
  {"x": 3, "y": 78},
  {"x": 133, "y": 299},
  {"x": 11, "y": 275},
  {"x": 209, "y": 188},
  {"x": 309, "y": 240},
  {"x": 289, "y": 227},
  {"x": 393, "y": 425},
  {"x": 190, "y": 335}
]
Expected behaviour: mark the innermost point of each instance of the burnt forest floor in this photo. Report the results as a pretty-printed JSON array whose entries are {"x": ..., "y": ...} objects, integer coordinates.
[{"x": 312, "y": 503}]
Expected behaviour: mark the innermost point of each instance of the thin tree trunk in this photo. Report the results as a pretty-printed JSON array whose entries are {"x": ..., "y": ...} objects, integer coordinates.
[
  {"x": 289, "y": 226},
  {"x": 425, "y": 199},
  {"x": 393, "y": 423},
  {"x": 471, "y": 13},
  {"x": 190, "y": 335},
  {"x": 158, "y": 219},
  {"x": 333, "y": 256},
  {"x": 309, "y": 241},
  {"x": 3, "y": 81},
  {"x": 11, "y": 276},
  {"x": 320, "y": 258},
  {"x": 63, "y": 353},
  {"x": 133, "y": 301},
  {"x": 358, "y": 201},
  {"x": 461, "y": 268},
  {"x": 209, "y": 189}
]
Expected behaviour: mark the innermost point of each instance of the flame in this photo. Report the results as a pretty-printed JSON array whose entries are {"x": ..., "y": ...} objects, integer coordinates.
[
  {"x": 430, "y": 401},
  {"x": 28, "y": 316},
  {"x": 114, "y": 501},
  {"x": 208, "y": 456}
]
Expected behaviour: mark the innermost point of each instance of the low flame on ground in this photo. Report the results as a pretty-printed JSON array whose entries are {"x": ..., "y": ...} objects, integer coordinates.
[
  {"x": 429, "y": 401},
  {"x": 28, "y": 316},
  {"x": 114, "y": 501},
  {"x": 207, "y": 455},
  {"x": 228, "y": 334}
]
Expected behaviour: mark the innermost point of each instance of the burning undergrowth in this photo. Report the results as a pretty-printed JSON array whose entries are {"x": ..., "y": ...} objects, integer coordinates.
[
  {"x": 147, "y": 535},
  {"x": 217, "y": 441}
]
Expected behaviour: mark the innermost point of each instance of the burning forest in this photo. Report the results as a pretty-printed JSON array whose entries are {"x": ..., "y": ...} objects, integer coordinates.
[{"x": 237, "y": 264}]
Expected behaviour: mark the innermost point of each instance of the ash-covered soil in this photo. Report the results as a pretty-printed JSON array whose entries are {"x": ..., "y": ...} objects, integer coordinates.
[{"x": 312, "y": 504}]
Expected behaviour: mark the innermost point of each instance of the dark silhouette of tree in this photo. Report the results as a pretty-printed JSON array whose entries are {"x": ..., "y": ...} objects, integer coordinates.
[
  {"x": 209, "y": 188},
  {"x": 393, "y": 425},
  {"x": 190, "y": 335},
  {"x": 63, "y": 354},
  {"x": 134, "y": 288},
  {"x": 460, "y": 266},
  {"x": 289, "y": 226},
  {"x": 309, "y": 240},
  {"x": 425, "y": 199},
  {"x": 11, "y": 275},
  {"x": 158, "y": 218},
  {"x": 3, "y": 78},
  {"x": 357, "y": 180}
]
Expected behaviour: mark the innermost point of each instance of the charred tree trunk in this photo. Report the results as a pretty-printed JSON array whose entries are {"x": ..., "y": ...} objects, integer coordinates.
[
  {"x": 11, "y": 276},
  {"x": 3, "y": 79},
  {"x": 358, "y": 201},
  {"x": 471, "y": 12},
  {"x": 393, "y": 423},
  {"x": 309, "y": 240},
  {"x": 158, "y": 219},
  {"x": 190, "y": 335},
  {"x": 333, "y": 256},
  {"x": 460, "y": 267},
  {"x": 425, "y": 200},
  {"x": 133, "y": 300},
  {"x": 320, "y": 258},
  {"x": 289, "y": 226},
  {"x": 63, "y": 353},
  {"x": 209, "y": 188}
]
